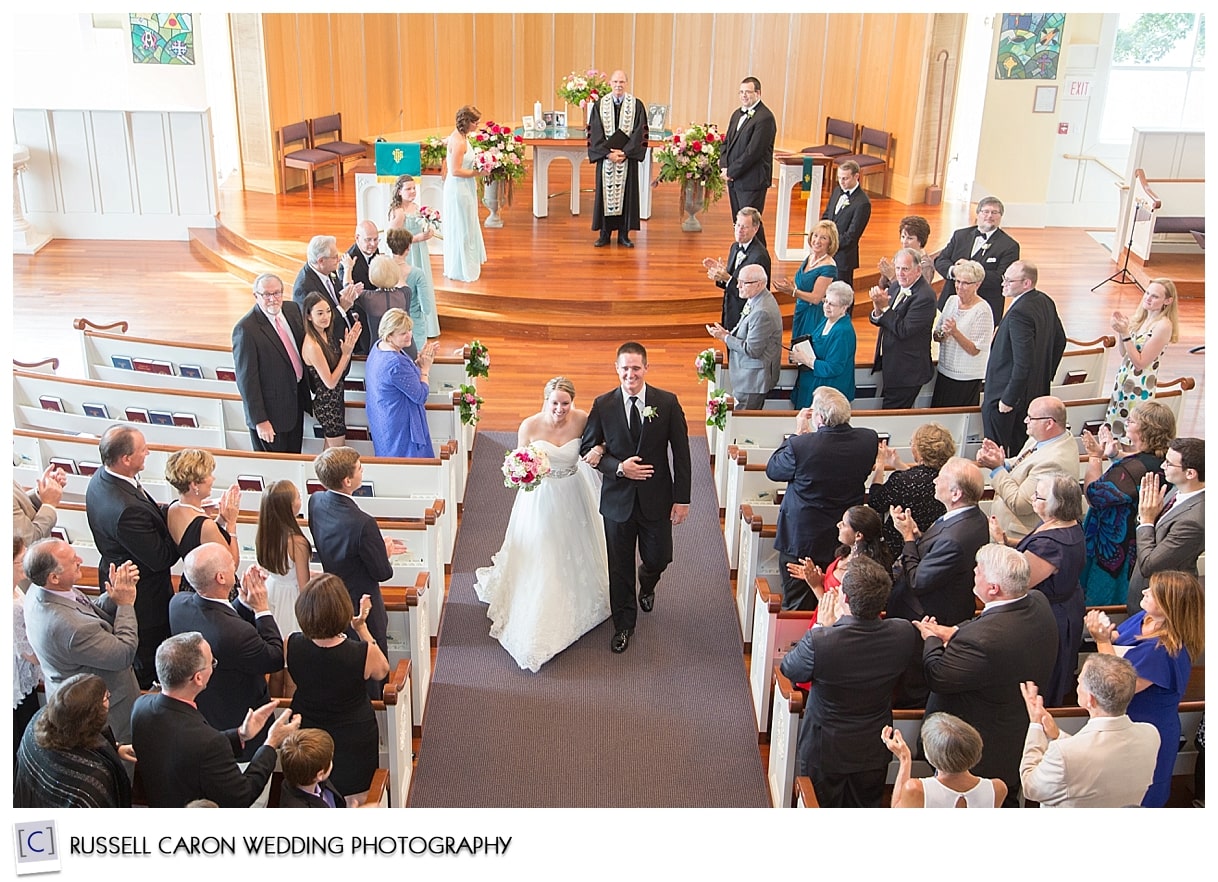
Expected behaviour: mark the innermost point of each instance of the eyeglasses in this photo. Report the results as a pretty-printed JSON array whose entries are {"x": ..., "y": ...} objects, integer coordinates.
[
  {"x": 269, "y": 295},
  {"x": 1036, "y": 497},
  {"x": 1007, "y": 281},
  {"x": 744, "y": 282},
  {"x": 215, "y": 663},
  {"x": 1029, "y": 419}
]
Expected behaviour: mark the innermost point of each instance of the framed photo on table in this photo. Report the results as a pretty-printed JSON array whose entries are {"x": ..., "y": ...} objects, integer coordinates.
[
  {"x": 529, "y": 124},
  {"x": 657, "y": 116},
  {"x": 548, "y": 117},
  {"x": 560, "y": 119}
]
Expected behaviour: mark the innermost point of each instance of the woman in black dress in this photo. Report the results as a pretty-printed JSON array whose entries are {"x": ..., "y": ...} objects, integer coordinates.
[
  {"x": 330, "y": 671},
  {"x": 326, "y": 368},
  {"x": 194, "y": 518},
  {"x": 911, "y": 486}
]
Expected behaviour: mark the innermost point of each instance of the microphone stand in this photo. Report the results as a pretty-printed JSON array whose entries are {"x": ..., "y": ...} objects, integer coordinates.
[{"x": 1123, "y": 276}]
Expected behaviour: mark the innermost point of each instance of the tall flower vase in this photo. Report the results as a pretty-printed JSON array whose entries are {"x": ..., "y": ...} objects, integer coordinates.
[
  {"x": 494, "y": 197},
  {"x": 693, "y": 200}
]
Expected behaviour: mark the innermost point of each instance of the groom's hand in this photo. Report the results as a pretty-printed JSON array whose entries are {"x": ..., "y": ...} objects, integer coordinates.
[
  {"x": 636, "y": 470},
  {"x": 680, "y": 511}
]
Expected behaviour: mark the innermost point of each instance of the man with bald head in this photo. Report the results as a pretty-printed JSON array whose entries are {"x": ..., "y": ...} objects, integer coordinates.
[
  {"x": 755, "y": 344},
  {"x": 617, "y": 143},
  {"x": 243, "y": 635}
]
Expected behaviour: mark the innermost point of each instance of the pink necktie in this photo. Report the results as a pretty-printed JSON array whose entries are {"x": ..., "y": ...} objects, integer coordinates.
[{"x": 290, "y": 345}]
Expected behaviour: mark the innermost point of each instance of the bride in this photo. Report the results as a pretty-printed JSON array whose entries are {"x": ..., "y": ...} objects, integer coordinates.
[{"x": 549, "y": 582}]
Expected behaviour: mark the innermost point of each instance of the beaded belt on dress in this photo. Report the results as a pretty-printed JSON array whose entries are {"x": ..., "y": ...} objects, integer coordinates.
[{"x": 562, "y": 473}]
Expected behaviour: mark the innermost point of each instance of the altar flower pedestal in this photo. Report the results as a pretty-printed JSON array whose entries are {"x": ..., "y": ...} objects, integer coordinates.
[
  {"x": 494, "y": 197},
  {"x": 693, "y": 201}
]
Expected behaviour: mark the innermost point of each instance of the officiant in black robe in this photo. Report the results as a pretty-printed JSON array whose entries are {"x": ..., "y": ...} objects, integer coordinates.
[{"x": 617, "y": 142}]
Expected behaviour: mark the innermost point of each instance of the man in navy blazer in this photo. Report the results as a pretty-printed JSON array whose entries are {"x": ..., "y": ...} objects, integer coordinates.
[
  {"x": 634, "y": 429},
  {"x": 825, "y": 464},
  {"x": 270, "y": 370},
  {"x": 748, "y": 250},
  {"x": 975, "y": 669},
  {"x": 905, "y": 316},
  {"x": 348, "y": 540},
  {"x": 339, "y": 279},
  {"x": 849, "y": 208},
  {"x": 243, "y": 636},
  {"x": 181, "y": 756},
  {"x": 127, "y": 525},
  {"x": 747, "y": 158},
  {"x": 985, "y": 243},
  {"x": 854, "y": 660}
]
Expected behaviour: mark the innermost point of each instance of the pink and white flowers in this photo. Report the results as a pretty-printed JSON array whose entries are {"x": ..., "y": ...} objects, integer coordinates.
[
  {"x": 524, "y": 467},
  {"x": 693, "y": 155},
  {"x": 580, "y": 88},
  {"x": 498, "y": 153}
]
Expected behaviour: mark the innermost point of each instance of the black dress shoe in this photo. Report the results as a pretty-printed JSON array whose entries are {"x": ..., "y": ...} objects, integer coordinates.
[
  {"x": 621, "y": 639},
  {"x": 625, "y": 242},
  {"x": 647, "y": 601},
  {"x": 601, "y": 242}
]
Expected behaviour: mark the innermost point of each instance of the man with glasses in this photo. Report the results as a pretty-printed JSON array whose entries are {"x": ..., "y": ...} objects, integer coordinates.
[
  {"x": 747, "y": 250},
  {"x": 1024, "y": 356},
  {"x": 181, "y": 757},
  {"x": 755, "y": 344},
  {"x": 270, "y": 370},
  {"x": 905, "y": 316},
  {"x": 747, "y": 159},
  {"x": 985, "y": 243},
  {"x": 1050, "y": 450},
  {"x": 341, "y": 289}
]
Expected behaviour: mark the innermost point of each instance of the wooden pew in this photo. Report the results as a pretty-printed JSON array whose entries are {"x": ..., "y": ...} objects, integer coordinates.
[
  {"x": 377, "y": 797},
  {"x": 788, "y": 709},
  {"x": 758, "y": 560},
  {"x": 405, "y": 488},
  {"x": 409, "y": 637},
  {"x": 775, "y": 632}
]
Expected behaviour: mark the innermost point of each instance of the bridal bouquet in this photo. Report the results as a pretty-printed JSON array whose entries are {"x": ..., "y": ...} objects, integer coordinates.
[
  {"x": 470, "y": 404},
  {"x": 524, "y": 467},
  {"x": 498, "y": 153},
  {"x": 717, "y": 409},
  {"x": 580, "y": 88},
  {"x": 431, "y": 218},
  {"x": 705, "y": 364},
  {"x": 693, "y": 155},
  {"x": 479, "y": 362},
  {"x": 432, "y": 152}
]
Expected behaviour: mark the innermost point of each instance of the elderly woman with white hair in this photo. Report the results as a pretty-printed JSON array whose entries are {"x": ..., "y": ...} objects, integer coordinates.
[
  {"x": 396, "y": 390},
  {"x": 830, "y": 333},
  {"x": 964, "y": 331}
]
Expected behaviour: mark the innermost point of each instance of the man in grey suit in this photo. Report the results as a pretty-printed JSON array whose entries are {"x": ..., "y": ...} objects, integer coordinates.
[
  {"x": 34, "y": 514},
  {"x": 755, "y": 344},
  {"x": 71, "y": 635},
  {"x": 1027, "y": 348},
  {"x": 1171, "y": 526},
  {"x": 905, "y": 316}
]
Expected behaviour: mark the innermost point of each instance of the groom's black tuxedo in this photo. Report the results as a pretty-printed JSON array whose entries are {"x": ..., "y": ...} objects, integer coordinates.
[{"x": 638, "y": 510}]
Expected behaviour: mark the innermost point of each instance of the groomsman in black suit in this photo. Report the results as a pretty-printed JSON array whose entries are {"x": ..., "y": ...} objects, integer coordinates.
[
  {"x": 985, "y": 243},
  {"x": 748, "y": 249},
  {"x": 270, "y": 370},
  {"x": 341, "y": 289},
  {"x": 747, "y": 159},
  {"x": 637, "y": 426},
  {"x": 850, "y": 209},
  {"x": 904, "y": 314}
]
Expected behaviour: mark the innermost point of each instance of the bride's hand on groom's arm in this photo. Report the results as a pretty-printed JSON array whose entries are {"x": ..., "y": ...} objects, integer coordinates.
[{"x": 593, "y": 456}]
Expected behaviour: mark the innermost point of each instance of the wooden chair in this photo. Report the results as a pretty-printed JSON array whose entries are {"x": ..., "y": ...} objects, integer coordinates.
[
  {"x": 305, "y": 157},
  {"x": 836, "y": 128},
  {"x": 870, "y": 164},
  {"x": 333, "y": 125}
]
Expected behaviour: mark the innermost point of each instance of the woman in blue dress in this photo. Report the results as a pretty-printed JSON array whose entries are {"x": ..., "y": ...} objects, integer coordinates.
[
  {"x": 396, "y": 391},
  {"x": 1161, "y": 641},
  {"x": 827, "y": 325},
  {"x": 464, "y": 251},
  {"x": 404, "y": 215}
]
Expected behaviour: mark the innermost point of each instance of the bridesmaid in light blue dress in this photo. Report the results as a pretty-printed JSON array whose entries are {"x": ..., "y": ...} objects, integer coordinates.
[
  {"x": 404, "y": 214},
  {"x": 464, "y": 252}
]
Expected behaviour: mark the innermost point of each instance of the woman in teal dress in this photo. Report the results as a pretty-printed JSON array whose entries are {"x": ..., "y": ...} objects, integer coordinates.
[
  {"x": 404, "y": 214},
  {"x": 1112, "y": 498}
]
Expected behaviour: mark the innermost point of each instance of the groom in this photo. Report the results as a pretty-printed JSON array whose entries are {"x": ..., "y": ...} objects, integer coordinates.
[{"x": 641, "y": 498}]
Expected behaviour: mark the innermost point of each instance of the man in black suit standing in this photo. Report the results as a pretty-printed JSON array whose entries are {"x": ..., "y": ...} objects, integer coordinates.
[
  {"x": 850, "y": 209},
  {"x": 349, "y": 542},
  {"x": 270, "y": 370},
  {"x": 638, "y": 426},
  {"x": 181, "y": 756},
  {"x": 975, "y": 669},
  {"x": 825, "y": 464},
  {"x": 748, "y": 250},
  {"x": 1027, "y": 348},
  {"x": 337, "y": 277},
  {"x": 905, "y": 315},
  {"x": 854, "y": 660},
  {"x": 985, "y": 243},
  {"x": 747, "y": 158},
  {"x": 934, "y": 569},
  {"x": 127, "y": 525},
  {"x": 243, "y": 636}
]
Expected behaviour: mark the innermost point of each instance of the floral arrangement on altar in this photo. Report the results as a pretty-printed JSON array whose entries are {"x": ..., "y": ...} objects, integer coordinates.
[
  {"x": 717, "y": 409},
  {"x": 524, "y": 467},
  {"x": 705, "y": 365},
  {"x": 479, "y": 362},
  {"x": 470, "y": 404},
  {"x": 431, "y": 218},
  {"x": 498, "y": 153},
  {"x": 693, "y": 155},
  {"x": 432, "y": 152},
  {"x": 581, "y": 88}
]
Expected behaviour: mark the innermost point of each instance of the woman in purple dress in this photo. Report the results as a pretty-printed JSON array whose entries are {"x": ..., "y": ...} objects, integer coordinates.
[{"x": 396, "y": 390}]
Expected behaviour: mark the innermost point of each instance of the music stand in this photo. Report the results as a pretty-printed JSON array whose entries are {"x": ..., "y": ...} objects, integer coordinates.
[{"x": 1123, "y": 276}]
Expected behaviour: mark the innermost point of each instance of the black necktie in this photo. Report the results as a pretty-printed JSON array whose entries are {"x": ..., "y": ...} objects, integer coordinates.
[{"x": 636, "y": 424}]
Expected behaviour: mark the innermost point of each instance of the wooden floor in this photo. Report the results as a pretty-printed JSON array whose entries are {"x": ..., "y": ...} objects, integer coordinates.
[{"x": 548, "y": 303}]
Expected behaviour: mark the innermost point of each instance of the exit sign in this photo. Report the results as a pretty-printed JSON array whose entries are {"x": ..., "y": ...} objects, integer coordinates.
[{"x": 1077, "y": 87}]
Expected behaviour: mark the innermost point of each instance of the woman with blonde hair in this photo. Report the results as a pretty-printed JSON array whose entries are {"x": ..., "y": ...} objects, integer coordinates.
[
  {"x": 194, "y": 518},
  {"x": 910, "y": 486},
  {"x": 1161, "y": 640},
  {"x": 1141, "y": 340},
  {"x": 964, "y": 331},
  {"x": 396, "y": 390}
]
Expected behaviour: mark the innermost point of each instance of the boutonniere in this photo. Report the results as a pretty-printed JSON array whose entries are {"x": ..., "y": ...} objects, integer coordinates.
[
  {"x": 749, "y": 113},
  {"x": 985, "y": 246},
  {"x": 748, "y": 307},
  {"x": 650, "y": 413},
  {"x": 843, "y": 202}
]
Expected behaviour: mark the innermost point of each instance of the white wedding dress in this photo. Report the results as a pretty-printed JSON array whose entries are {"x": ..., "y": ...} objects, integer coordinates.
[{"x": 549, "y": 582}]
